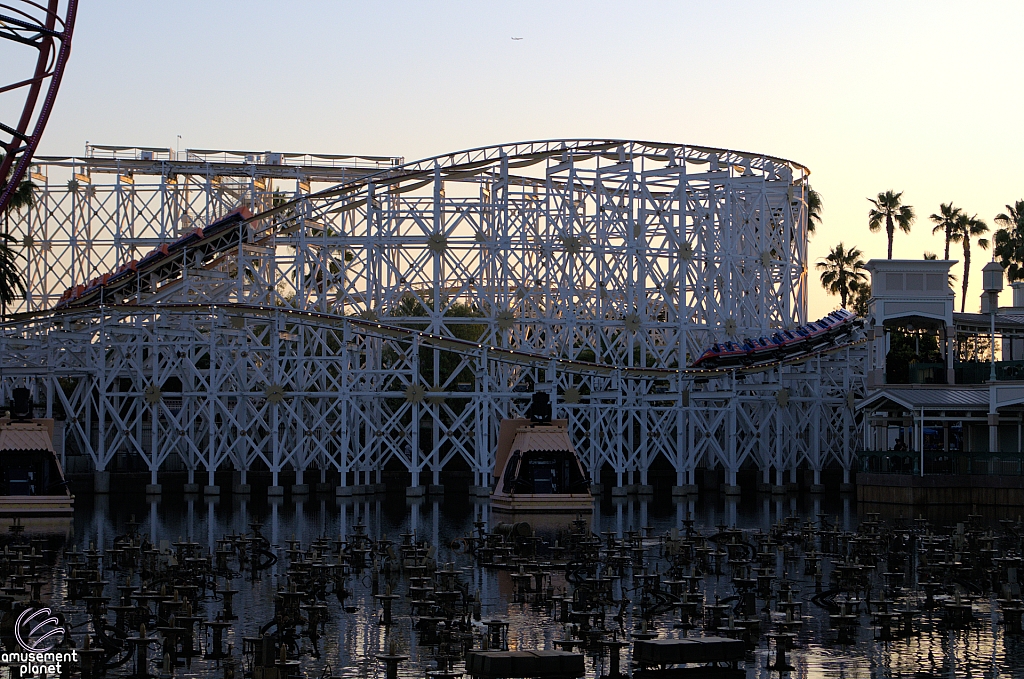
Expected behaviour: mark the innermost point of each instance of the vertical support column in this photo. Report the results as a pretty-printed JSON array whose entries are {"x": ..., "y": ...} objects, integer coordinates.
[
  {"x": 876, "y": 374},
  {"x": 782, "y": 444},
  {"x": 240, "y": 461},
  {"x": 101, "y": 481},
  {"x": 213, "y": 397},
  {"x": 415, "y": 456},
  {"x": 415, "y": 459},
  {"x": 273, "y": 410},
  {"x": 189, "y": 416},
  {"x": 919, "y": 437},
  {"x": 483, "y": 455},
  {"x": 302, "y": 411},
  {"x": 643, "y": 417},
  {"x": 680, "y": 452},
  {"x": 595, "y": 426},
  {"x": 768, "y": 413},
  {"x": 691, "y": 445},
  {"x": 155, "y": 355},
  {"x": 993, "y": 420},
  {"x": 950, "y": 347},
  {"x": 849, "y": 456},
  {"x": 344, "y": 448},
  {"x": 817, "y": 454},
  {"x": 620, "y": 489},
  {"x": 731, "y": 463},
  {"x": 684, "y": 447}
]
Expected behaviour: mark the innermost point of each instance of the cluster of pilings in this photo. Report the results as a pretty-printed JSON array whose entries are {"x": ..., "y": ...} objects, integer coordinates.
[{"x": 622, "y": 603}]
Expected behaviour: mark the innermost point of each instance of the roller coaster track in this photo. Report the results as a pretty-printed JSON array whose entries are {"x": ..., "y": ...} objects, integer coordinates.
[
  {"x": 38, "y": 27},
  {"x": 455, "y": 345},
  {"x": 451, "y": 166}
]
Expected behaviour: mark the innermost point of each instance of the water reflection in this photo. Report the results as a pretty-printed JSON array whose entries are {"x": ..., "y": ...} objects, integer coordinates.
[{"x": 352, "y": 640}]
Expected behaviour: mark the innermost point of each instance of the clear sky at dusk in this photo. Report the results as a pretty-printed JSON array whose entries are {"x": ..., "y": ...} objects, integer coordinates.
[{"x": 924, "y": 97}]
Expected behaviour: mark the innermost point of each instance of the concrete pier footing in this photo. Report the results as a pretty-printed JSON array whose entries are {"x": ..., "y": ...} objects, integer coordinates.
[
  {"x": 211, "y": 490},
  {"x": 415, "y": 491},
  {"x": 191, "y": 488},
  {"x": 101, "y": 482},
  {"x": 300, "y": 489},
  {"x": 343, "y": 491},
  {"x": 275, "y": 491},
  {"x": 154, "y": 489},
  {"x": 686, "y": 489},
  {"x": 239, "y": 486},
  {"x": 620, "y": 491},
  {"x": 729, "y": 489}
]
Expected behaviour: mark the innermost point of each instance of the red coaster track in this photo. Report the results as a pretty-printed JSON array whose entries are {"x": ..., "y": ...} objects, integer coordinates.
[{"x": 46, "y": 29}]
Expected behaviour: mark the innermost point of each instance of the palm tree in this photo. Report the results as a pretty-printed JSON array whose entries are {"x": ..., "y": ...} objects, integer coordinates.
[
  {"x": 859, "y": 300},
  {"x": 944, "y": 219},
  {"x": 1009, "y": 241},
  {"x": 962, "y": 230},
  {"x": 23, "y": 197},
  {"x": 890, "y": 210},
  {"x": 813, "y": 210},
  {"x": 11, "y": 285},
  {"x": 842, "y": 272}
]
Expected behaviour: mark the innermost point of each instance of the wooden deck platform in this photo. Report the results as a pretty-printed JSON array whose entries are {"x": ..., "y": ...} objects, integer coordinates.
[
  {"x": 514, "y": 664},
  {"x": 688, "y": 658}
]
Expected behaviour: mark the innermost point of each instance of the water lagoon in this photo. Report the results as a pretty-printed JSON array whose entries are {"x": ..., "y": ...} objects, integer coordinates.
[{"x": 352, "y": 635}]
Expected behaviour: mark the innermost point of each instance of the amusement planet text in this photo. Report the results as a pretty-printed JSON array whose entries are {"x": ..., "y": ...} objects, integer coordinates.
[{"x": 33, "y": 664}]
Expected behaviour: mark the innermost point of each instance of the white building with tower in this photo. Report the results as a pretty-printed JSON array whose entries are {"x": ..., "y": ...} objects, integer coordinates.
[{"x": 944, "y": 409}]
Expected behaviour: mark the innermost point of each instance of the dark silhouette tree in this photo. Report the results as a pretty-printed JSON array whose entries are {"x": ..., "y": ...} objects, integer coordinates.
[
  {"x": 842, "y": 272},
  {"x": 813, "y": 211},
  {"x": 963, "y": 230},
  {"x": 859, "y": 300},
  {"x": 944, "y": 220},
  {"x": 890, "y": 211},
  {"x": 1009, "y": 241},
  {"x": 11, "y": 285}
]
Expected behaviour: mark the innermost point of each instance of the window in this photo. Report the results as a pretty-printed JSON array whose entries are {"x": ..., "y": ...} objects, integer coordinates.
[{"x": 548, "y": 472}]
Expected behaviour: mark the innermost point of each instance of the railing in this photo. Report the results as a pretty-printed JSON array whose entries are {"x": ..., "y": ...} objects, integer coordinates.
[
  {"x": 941, "y": 462},
  {"x": 978, "y": 372},
  {"x": 927, "y": 373},
  {"x": 968, "y": 372}
]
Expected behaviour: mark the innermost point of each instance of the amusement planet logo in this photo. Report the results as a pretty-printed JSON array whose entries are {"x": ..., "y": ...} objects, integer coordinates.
[{"x": 38, "y": 632}]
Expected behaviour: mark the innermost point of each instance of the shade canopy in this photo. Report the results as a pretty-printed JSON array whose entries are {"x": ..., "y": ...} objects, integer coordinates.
[{"x": 24, "y": 436}]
